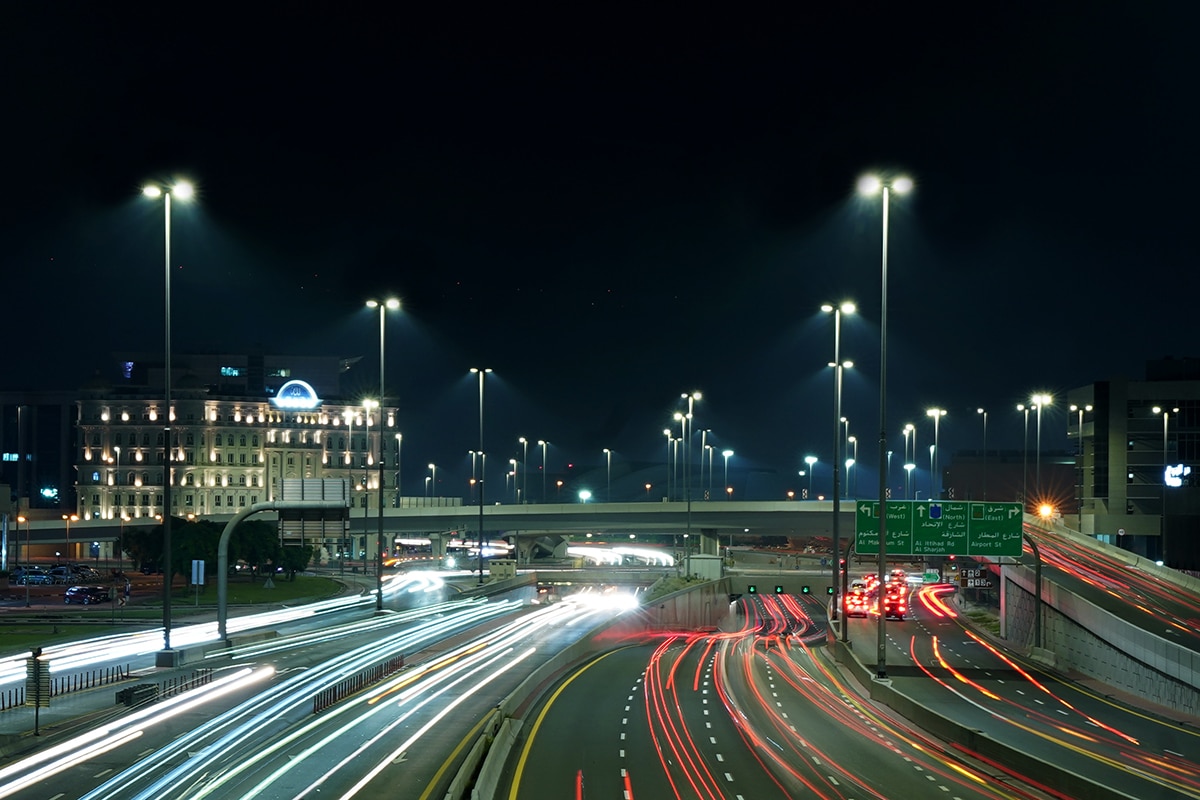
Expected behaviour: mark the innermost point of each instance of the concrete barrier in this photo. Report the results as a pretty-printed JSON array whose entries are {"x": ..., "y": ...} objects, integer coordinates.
[{"x": 1052, "y": 775}]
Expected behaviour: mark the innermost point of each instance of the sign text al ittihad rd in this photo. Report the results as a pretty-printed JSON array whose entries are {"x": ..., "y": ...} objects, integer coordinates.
[{"x": 940, "y": 528}]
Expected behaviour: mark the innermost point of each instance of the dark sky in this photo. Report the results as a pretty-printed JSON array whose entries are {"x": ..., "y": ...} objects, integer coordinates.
[{"x": 612, "y": 208}]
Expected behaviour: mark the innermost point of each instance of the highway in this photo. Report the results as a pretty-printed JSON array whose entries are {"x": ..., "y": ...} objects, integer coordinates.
[{"x": 253, "y": 730}]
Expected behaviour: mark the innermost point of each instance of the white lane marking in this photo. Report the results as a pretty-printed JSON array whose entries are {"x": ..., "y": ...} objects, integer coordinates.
[
  {"x": 102, "y": 773},
  {"x": 728, "y": 777},
  {"x": 712, "y": 740}
]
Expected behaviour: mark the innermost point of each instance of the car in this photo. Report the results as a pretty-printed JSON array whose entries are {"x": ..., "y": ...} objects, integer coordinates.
[
  {"x": 63, "y": 575},
  {"x": 87, "y": 595},
  {"x": 856, "y": 603},
  {"x": 894, "y": 606},
  {"x": 32, "y": 577}
]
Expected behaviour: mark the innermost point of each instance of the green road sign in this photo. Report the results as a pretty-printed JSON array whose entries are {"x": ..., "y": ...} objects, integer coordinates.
[{"x": 940, "y": 528}]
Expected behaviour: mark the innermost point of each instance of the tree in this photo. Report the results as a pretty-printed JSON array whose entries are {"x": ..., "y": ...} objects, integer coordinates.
[
  {"x": 257, "y": 543},
  {"x": 294, "y": 558}
]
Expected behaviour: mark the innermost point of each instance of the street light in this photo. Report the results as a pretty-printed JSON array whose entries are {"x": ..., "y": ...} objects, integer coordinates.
[
  {"x": 708, "y": 486},
  {"x": 908, "y": 468},
  {"x": 935, "y": 479},
  {"x": 608, "y": 456},
  {"x": 584, "y": 495},
  {"x": 811, "y": 461},
  {"x": 183, "y": 191},
  {"x": 845, "y": 307},
  {"x": 21, "y": 520},
  {"x": 983, "y": 413},
  {"x": 1024, "y": 455},
  {"x": 667, "y": 433},
  {"x": 726, "y": 454},
  {"x": 1079, "y": 454},
  {"x": 1162, "y": 519},
  {"x": 433, "y": 480},
  {"x": 483, "y": 466},
  {"x": 852, "y": 442},
  {"x": 524, "y": 469},
  {"x": 1041, "y": 399},
  {"x": 691, "y": 398},
  {"x": 512, "y": 462},
  {"x": 383, "y": 306},
  {"x": 871, "y": 185},
  {"x": 69, "y": 518},
  {"x": 542, "y": 443}
]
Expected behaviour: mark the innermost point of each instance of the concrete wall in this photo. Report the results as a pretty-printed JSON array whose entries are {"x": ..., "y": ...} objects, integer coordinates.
[{"x": 1122, "y": 655}]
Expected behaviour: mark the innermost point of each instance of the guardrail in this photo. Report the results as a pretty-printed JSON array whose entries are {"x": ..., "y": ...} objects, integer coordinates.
[
  {"x": 344, "y": 688},
  {"x": 64, "y": 684}
]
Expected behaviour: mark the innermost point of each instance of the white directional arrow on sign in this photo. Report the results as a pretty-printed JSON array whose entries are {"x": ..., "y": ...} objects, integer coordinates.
[{"x": 865, "y": 508}]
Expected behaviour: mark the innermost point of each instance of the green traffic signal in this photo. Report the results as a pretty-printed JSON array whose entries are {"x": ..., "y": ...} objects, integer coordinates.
[
  {"x": 829, "y": 590},
  {"x": 778, "y": 590},
  {"x": 804, "y": 590},
  {"x": 752, "y": 589}
]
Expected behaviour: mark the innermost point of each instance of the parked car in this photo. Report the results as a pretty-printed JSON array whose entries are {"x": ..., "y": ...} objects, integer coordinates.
[
  {"x": 86, "y": 595},
  {"x": 63, "y": 575},
  {"x": 31, "y": 577}
]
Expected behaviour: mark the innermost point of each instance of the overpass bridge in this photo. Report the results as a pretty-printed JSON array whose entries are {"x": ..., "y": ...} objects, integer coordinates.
[{"x": 708, "y": 520}]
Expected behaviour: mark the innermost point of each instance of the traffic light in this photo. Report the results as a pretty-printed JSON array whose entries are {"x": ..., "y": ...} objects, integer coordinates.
[
  {"x": 829, "y": 591},
  {"x": 804, "y": 590},
  {"x": 752, "y": 589},
  {"x": 778, "y": 590}
]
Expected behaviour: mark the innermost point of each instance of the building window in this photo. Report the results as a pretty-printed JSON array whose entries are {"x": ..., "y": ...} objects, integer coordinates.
[
  {"x": 255, "y": 481},
  {"x": 241, "y": 480},
  {"x": 291, "y": 460},
  {"x": 146, "y": 500},
  {"x": 95, "y": 440},
  {"x": 253, "y": 499},
  {"x": 242, "y": 440},
  {"x": 254, "y": 440},
  {"x": 189, "y": 500},
  {"x": 229, "y": 501},
  {"x": 95, "y": 499},
  {"x": 190, "y": 439},
  {"x": 229, "y": 458},
  {"x": 241, "y": 501},
  {"x": 217, "y": 501},
  {"x": 145, "y": 440}
]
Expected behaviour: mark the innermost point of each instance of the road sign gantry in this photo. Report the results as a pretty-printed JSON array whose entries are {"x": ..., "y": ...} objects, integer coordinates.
[{"x": 941, "y": 528}]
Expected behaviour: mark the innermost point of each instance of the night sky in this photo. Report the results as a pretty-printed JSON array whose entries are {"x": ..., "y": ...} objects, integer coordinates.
[{"x": 610, "y": 209}]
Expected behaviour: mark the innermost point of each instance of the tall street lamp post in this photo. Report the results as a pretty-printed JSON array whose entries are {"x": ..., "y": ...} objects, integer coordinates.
[
  {"x": 399, "y": 460},
  {"x": 811, "y": 461},
  {"x": 845, "y": 307},
  {"x": 69, "y": 518},
  {"x": 691, "y": 398},
  {"x": 368, "y": 462},
  {"x": 432, "y": 480},
  {"x": 1079, "y": 455},
  {"x": 183, "y": 191},
  {"x": 1162, "y": 519},
  {"x": 524, "y": 469},
  {"x": 726, "y": 455},
  {"x": 871, "y": 185},
  {"x": 383, "y": 306},
  {"x": 1040, "y": 400},
  {"x": 983, "y": 413},
  {"x": 483, "y": 466},
  {"x": 21, "y": 520},
  {"x": 935, "y": 463},
  {"x": 608, "y": 457},
  {"x": 542, "y": 443},
  {"x": 908, "y": 468},
  {"x": 666, "y": 432},
  {"x": 1024, "y": 457}
]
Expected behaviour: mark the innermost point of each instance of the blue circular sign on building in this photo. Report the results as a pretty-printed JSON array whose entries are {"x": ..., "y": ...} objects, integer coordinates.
[{"x": 296, "y": 395}]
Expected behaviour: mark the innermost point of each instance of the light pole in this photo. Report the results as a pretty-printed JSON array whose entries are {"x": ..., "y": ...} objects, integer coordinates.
[
  {"x": 368, "y": 462},
  {"x": 1162, "y": 519},
  {"x": 608, "y": 456},
  {"x": 69, "y": 518},
  {"x": 1024, "y": 457},
  {"x": 708, "y": 486},
  {"x": 811, "y": 461},
  {"x": 691, "y": 398},
  {"x": 542, "y": 443},
  {"x": 512, "y": 462},
  {"x": 935, "y": 478},
  {"x": 852, "y": 443},
  {"x": 483, "y": 466},
  {"x": 871, "y": 185},
  {"x": 472, "y": 453},
  {"x": 184, "y": 191},
  {"x": 845, "y": 307},
  {"x": 21, "y": 520},
  {"x": 383, "y": 306},
  {"x": 983, "y": 413},
  {"x": 433, "y": 480},
  {"x": 1042, "y": 399},
  {"x": 667, "y": 433},
  {"x": 1079, "y": 456},
  {"x": 726, "y": 454},
  {"x": 908, "y": 468},
  {"x": 524, "y": 468},
  {"x": 399, "y": 454}
]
